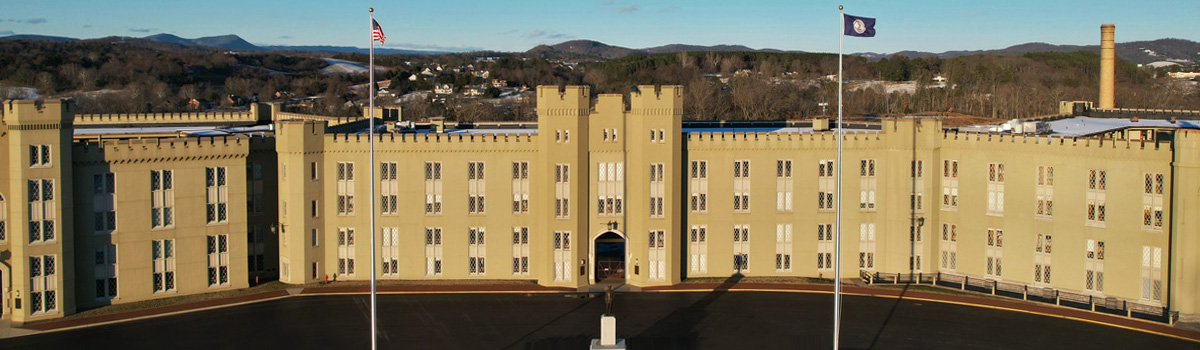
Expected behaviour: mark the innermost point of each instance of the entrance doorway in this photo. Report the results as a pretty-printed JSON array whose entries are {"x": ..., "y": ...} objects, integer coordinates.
[{"x": 610, "y": 258}]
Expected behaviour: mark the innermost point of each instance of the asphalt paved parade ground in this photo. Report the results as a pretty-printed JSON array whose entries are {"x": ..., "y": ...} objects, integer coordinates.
[{"x": 678, "y": 320}]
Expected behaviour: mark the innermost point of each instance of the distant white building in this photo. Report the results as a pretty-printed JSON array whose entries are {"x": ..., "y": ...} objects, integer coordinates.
[{"x": 443, "y": 89}]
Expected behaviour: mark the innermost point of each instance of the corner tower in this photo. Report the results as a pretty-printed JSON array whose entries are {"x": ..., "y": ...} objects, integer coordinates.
[{"x": 563, "y": 163}]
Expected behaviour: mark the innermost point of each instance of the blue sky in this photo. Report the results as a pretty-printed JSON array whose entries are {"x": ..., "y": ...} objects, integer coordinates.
[{"x": 518, "y": 25}]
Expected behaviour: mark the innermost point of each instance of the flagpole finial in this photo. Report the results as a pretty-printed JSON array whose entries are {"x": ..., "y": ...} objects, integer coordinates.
[
  {"x": 839, "y": 7},
  {"x": 372, "y": 9}
]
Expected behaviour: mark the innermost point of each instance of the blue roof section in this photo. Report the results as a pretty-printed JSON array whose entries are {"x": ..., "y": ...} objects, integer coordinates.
[{"x": 1084, "y": 126}]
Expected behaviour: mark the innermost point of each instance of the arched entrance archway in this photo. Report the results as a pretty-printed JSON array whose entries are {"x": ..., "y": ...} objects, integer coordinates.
[{"x": 608, "y": 257}]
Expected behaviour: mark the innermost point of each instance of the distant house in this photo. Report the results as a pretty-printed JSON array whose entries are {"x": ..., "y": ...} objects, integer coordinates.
[
  {"x": 430, "y": 72},
  {"x": 472, "y": 91},
  {"x": 939, "y": 78},
  {"x": 443, "y": 89},
  {"x": 412, "y": 77},
  {"x": 499, "y": 83},
  {"x": 198, "y": 104}
]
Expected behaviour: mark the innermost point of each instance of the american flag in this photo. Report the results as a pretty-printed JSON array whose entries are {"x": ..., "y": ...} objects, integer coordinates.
[{"x": 376, "y": 31}]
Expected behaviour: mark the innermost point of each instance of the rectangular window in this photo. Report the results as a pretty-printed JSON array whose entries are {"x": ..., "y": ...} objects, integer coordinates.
[
  {"x": 995, "y": 183},
  {"x": 1041, "y": 260},
  {"x": 741, "y": 248},
  {"x": 43, "y": 284},
  {"x": 918, "y": 245},
  {"x": 783, "y": 248},
  {"x": 825, "y": 247},
  {"x": 162, "y": 199},
  {"x": 345, "y": 251},
  {"x": 917, "y": 197},
  {"x": 611, "y": 188},
  {"x": 390, "y": 255},
  {"x": 826, "y": 185},
  {"x": 741, "y": 186},
  {"x": 106, "y": 272},
  {"x": 950, "y": 184},
  {"x": 42, "y": 213},
  {"x": 867, "y": 183},
  {"x": 562, "y": 256},
  {"x": 218, "y": 260},
  {"x": 949, "y": 247},
  {"x": 657, "y": 255},
  {"x": 475, "y": 188},
  {"x": 312, "y": 172},
  {"x": 994, "y": 251},
  {"x": 520, "y": 251},
  {"x": 476, "y": 252},
  {"x": 257, "y": 248},
  {"x": 866, "y": 246},
  {"x": 698, "y": 175},
  {"x": 433, "y": 251},
  {"x": 562, "y": 191},
  {"x": 1096, "y": 197},
  {"x": 1093, "y": 265},
  {"x": 433, "y": 188},
  {"x": 314, "y": 240},
  {"x": 216, "y": 195},
  {"x": 39, "y": 156},
  {"x": 389, "y": 189},
  {"x": 162, "y": 253},
  {"x": 1152, "y": 274},
  {"x": 1044, "y": 193},
  {"x": 783, "y": 185},
  {"x": 520, "y": 187},
  {"x": 345, "y": 188},
  {"x": 657, "y": 190},
  {"x": 698, "y": 249},
  {"x": 1152, "y": 202},
  {"x": 104, "y": 213},
  {"x": 256, "y": 199}
]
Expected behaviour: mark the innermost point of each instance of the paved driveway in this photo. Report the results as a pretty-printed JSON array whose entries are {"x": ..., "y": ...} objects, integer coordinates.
[{"x": 714, "y": 320}]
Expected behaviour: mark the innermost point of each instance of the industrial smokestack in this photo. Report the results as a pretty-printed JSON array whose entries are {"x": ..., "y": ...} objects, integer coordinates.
[{"x": 1107, "y": 66}]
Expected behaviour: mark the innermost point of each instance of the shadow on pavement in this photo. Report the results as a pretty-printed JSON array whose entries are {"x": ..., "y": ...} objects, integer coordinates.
[{"x": 678, "y": 330}]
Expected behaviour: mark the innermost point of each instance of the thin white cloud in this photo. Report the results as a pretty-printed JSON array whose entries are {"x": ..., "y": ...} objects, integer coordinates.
[
  {"x": 142, "y": 30},
  {"x": 87, "y": 25},
  {"x": 536, "y": 33},
  {"x": 628, "y": 9},
  {"x": 547, "y": 35},
  {"x": 285, "y": 37},
  {"x": 434, "y": 47},
  {"x": 507, "y": 32},
  {"x": 35, "y": 20}
]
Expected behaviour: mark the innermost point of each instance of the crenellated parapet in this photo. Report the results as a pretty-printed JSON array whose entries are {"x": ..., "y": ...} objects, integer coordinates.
[
  {"x": 433, "y": 142},
  {"x": 153, "y": 150},
  {"x": 258, "y": 113},
  {"x": 782, "y": 140},
  {"x": 649, "y": 100},
  {"x": 573, "y": 101}
]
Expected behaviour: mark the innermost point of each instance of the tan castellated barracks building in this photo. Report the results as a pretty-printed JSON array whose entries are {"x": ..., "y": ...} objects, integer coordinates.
[{"x": 114, "y": 209}]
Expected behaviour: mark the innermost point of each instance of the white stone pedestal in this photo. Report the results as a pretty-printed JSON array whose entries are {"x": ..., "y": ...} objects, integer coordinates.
[{"x": 608, "y": 335}]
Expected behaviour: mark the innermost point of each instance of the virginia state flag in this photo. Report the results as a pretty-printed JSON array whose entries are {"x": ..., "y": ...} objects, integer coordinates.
[{"x": 858, "y": 26}]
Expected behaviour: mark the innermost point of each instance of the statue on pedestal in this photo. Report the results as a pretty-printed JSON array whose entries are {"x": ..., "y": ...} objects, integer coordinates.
[{"x": 608, "y": 299}]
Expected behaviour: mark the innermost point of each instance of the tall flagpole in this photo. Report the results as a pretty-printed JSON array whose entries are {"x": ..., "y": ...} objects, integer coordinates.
[
  {"x": 371, "y": 169},
  {"x": 837, "y": 239}
]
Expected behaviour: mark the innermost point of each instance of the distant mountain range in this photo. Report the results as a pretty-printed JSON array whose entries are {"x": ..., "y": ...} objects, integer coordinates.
[{"x": 1140, "y": 52}]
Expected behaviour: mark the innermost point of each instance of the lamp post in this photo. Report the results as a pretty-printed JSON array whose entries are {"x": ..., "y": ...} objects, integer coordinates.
[{"x": 823, "y": 105}]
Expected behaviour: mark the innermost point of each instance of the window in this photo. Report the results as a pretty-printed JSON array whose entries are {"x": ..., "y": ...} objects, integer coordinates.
[
  {"x": 994, "y": 251},
  {"x": 41, "y": 211},
  {"x": 1045, "y": 193},
  {"x": 866, "y": 246},
  {"x": 783, "y": 185},
  {"x": 950, "y": 184},
  {"x": 433, "y": 188},
  {"x": 314, "y": 240},
  {"x": 345, "y": 188},
  {"x": 918, "y": 169},
  {"x": 657, "y": 190},
  {"x": 345, "y": 251},
  {"x": 106, "y": 272},
  {"x": 1093, "y": 265},
  {"x": 314, "y": 208},
  {"x": 3, "y": 220},
  {"x": 476, "y": 252},
  {"x": 916, "y": 199},
  {"x": 562, "y": 256},
  {"x": 389, "y": 189},
  {"x": 391, "y": 252},
  {"x": 918, "y": 246},
  {"x": 216, "y": 195},
  {"x": 657, "y": 255},
  {"x": 475, "y": 188},
  {"x": 1095, "y": 197},
  {"x": 162, "y": 199},
  {"x": 995, "y": 203},
  {"x": 433, "y": 251},
  {"x": 1041, "y": 260},
  {"x": 39, "y": 156},
  {"x": 255, "y": 196},
  {"x": 611, "y": 188},
  {"x": 825, "y": 247},
  {"x": 698, "y": 249},
  {"x": 256, "y": 249},
  {"x": 866, "y": 197},
  {"x": 698, "y": 174},
  {"x": 218, "y": 260},
  {"x": 520, "y": 187},
  {"x": 104, "y": 213},
  {"x": 1152, "y": 274},
  {"x": 1152, "y": 202},
  {"x": 162, "y": 252},
  {"x": 43, "y": 284},
  {"x": 826, "y": 185},
  {"x": 562, "y": 191},
  {"x": 312, "y": 171},
  {"x": 520, "y": 251},
  {"x": 741, "y": 186},
  {"x": 949, "y": 247},
  {"x": 783, "y": 248},
  {"x": 741, "y": 248}
]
